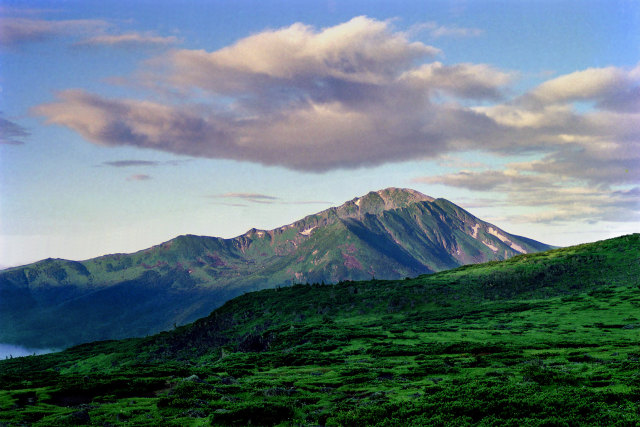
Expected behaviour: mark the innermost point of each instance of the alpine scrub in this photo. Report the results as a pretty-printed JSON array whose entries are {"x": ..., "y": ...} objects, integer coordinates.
[{"x": 551, "y": 338}]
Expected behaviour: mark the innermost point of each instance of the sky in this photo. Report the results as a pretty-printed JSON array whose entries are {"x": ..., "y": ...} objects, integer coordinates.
[{"x": 126, "y": 123}]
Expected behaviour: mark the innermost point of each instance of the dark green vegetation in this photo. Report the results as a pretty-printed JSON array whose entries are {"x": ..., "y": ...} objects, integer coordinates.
[
  {"x": 541, "y": 339},
  {"x": 389, "y": 234}
]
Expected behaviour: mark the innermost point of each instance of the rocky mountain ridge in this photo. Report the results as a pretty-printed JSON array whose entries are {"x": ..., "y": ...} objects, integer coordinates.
[{"x": 388, "y": 234}]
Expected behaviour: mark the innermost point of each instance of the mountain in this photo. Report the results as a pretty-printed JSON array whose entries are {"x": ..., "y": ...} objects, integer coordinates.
[
  {"x": 540, "y": 339},
  {"x": 388, "y": 234}
]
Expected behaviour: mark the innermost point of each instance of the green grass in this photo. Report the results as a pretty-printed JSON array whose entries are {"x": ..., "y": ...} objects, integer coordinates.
[{"x": 544, "y": 339}]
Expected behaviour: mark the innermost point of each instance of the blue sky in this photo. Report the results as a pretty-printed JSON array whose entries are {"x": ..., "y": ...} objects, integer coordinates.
[{"x": 124, "y": 124}]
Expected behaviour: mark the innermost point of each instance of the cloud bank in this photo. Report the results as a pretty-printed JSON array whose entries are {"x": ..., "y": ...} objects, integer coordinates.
[
  {"x": 346, "y": 96},
  {"x": 563, "y": 199},
  {"x": 362, "y": 93}
]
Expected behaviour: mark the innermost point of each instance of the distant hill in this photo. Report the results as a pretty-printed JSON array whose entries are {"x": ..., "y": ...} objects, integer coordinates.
[
  {"x": 540, "y": 339},
  {"x": 388, "y": 234}
]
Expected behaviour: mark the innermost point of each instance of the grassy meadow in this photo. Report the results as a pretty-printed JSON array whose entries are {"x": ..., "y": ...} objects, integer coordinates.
[{"x": 542, "y": 339}]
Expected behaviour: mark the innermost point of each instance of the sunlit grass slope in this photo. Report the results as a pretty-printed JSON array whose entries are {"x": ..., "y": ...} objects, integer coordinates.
[{"x": 541, "y": 339}]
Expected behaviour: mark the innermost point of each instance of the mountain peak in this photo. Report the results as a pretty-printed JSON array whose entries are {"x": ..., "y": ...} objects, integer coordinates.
[
  {"x": 372, "y": 203},
  {"x": 399, "y": 197},
  {"x": 390, "y": 234},
  {"x": 375, "y": 202}
]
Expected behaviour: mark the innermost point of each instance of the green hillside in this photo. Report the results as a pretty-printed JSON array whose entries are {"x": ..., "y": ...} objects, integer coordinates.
[
  {"x": 551, "y": 338},
  {"x": 389, "y": 234}
]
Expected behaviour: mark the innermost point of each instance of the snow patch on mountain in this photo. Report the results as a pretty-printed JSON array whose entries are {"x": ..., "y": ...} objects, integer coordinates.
[
  {"x": 490, "y": 246},
  {"x": 506, "y": 241},
  {"x": 307, "y": 231}
]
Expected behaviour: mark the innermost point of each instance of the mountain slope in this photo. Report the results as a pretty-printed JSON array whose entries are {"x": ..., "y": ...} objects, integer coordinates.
[
  {"x": 388, "y": 234},
  {"x": 539, "y": 339}
]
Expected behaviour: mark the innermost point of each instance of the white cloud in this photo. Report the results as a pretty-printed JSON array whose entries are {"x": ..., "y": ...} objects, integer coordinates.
[
  {"x": 520, "y": 117},
  {"x": 474, "y": 81},
  {"x": 127, "y": 122},
  {"x": 450, "y": 161},
  {"x": 611, "y": 88},
  {"x": 599, "y": 164},
  {"x": 362, "y": 50},
  {"x": 555, "y": 198},
  {"x": 485, "y": 180}
]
